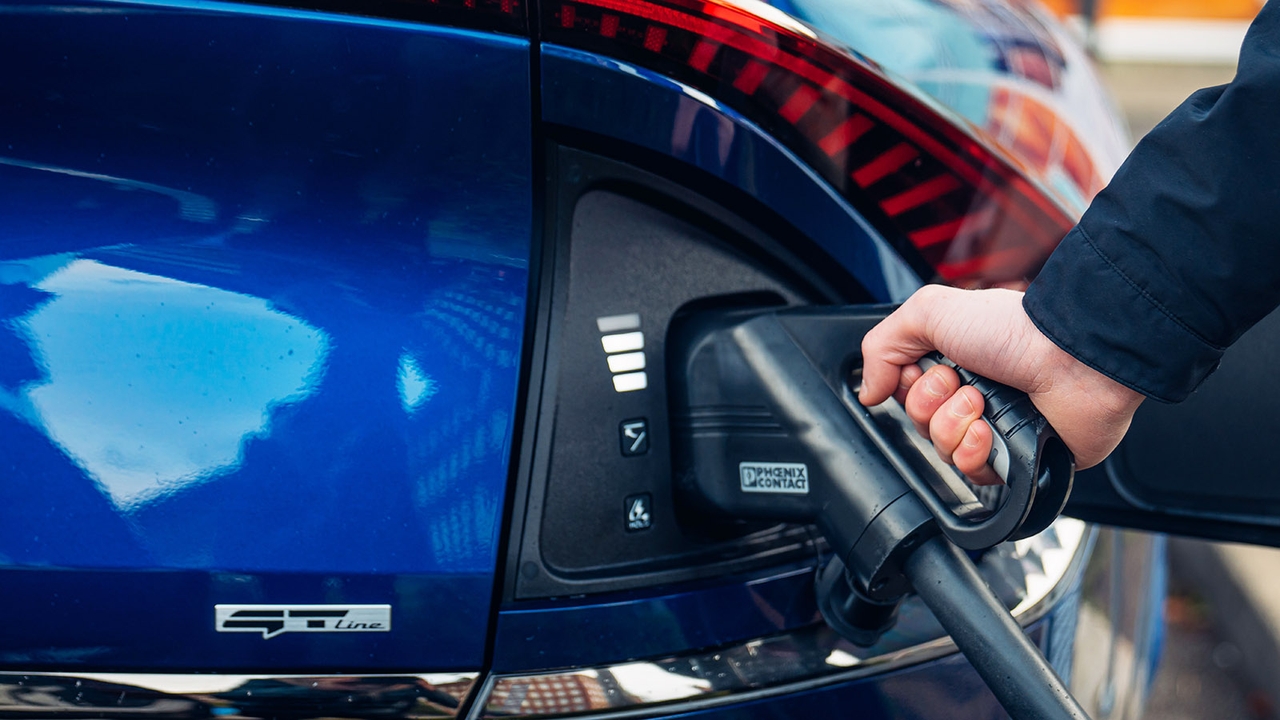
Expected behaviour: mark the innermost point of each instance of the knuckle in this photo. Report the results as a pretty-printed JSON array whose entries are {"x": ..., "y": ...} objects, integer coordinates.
[
  {"x": 969, "y": 458},
  {"x": 943, "y": 433}
]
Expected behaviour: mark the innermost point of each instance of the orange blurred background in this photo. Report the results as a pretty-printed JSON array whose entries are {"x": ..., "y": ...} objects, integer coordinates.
[{"x": 1206, "y": 9}]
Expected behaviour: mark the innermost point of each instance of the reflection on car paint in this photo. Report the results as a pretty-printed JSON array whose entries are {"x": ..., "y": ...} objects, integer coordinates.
[
  {"x": 151, "y": 384},
  {"x": 1118, "y": 624},
  {"x": 233, "y": 697},
  {"x": 415, "y": 387},
  {"x": 192, "y": 207}
]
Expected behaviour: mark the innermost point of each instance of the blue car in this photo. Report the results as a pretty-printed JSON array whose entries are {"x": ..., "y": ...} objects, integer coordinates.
[{"x": 334, "y": 349}]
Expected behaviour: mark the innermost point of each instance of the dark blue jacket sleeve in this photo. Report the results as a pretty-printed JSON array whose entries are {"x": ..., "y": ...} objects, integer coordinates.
[{"x": 1180, "y": 254}]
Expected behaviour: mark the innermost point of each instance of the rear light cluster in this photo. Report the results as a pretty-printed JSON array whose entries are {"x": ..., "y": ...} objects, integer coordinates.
[{"x": 947, "y": 199}]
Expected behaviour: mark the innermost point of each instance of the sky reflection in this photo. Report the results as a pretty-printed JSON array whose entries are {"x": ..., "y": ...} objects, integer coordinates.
[
  {"x": 415, "y": 387},
  {"x": 152, "y": 384}
]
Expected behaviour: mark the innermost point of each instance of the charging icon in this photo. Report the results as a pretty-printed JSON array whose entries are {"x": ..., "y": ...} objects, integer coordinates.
[{"x": 638, "y": 515}]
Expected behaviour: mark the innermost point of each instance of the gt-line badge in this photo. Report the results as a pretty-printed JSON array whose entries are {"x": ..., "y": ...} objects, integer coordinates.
[{"x": 272, "y": 620}]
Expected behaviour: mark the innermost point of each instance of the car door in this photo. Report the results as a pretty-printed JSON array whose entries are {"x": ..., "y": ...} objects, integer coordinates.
[{"x": 263, "y": 277}]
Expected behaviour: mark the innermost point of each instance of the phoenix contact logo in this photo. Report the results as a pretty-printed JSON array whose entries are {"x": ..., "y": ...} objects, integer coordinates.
[
  {"x": 273, "y": 620},
  {"x": 783, "y": 478}
]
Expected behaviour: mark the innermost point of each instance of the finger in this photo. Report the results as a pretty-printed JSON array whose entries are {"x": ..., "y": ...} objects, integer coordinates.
[
  {"x": 974, "y": 451},
  {"x": 934, "y": 388},
  {"x": 949, "y": 424},
  {"x": 910, "y": 374}
]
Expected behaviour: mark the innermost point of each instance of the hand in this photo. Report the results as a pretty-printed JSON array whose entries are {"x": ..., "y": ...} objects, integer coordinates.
[{"x": 988, "y": 332}]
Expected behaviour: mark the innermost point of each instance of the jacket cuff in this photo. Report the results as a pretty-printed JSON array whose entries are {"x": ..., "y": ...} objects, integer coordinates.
[{"x": 1091, "y": 309}]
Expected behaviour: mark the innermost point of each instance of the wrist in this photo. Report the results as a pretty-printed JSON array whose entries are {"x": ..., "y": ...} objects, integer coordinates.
[{"x": 1059, "y": 370}]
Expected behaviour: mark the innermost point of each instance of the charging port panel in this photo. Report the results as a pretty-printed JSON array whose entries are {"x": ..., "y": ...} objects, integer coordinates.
[{"x": 625, "y": 252}]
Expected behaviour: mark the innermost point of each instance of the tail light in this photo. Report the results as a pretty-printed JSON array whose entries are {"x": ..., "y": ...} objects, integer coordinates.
[{"x": 949, "y": 201}]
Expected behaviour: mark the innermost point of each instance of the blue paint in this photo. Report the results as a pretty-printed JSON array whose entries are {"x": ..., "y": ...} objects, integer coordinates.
[
  {"x": 262, "y": 291},
  {"x": 608, "y": 629},
  {"x": 622, "y": 626},
  {"x": 162, "y": 620},
  {"x": 603, "y": 96}
]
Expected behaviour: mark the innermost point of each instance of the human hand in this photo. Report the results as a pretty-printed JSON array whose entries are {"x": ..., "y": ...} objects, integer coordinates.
[{"x": 988, "y": 332}]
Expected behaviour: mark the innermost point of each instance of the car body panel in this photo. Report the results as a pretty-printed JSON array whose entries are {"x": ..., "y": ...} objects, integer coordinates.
[
  {"x": 622, "y": 626},
  {"x": 264, "y": 282}
]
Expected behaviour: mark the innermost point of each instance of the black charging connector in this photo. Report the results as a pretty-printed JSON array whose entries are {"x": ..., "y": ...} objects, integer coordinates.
[
  {"x": 766, "y": 426},
  {"x": 762, "y": 430},
  {"x": 848, "y": 611}
]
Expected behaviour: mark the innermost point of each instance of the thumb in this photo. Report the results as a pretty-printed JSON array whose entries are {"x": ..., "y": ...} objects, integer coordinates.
[{"x": 899, "y": 340}]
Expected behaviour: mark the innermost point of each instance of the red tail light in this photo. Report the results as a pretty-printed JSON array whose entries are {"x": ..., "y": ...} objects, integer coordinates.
[{"x": 944, "y": 196}]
